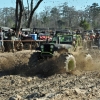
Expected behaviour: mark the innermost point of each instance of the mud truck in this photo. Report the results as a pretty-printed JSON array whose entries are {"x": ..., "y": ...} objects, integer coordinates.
[{"x": 60, "y": 45}]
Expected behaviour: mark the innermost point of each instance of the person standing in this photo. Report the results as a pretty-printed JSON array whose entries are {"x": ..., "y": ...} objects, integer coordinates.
[
  {"x": 10, "y": 41},
  {"x": 1, "y": 40}
]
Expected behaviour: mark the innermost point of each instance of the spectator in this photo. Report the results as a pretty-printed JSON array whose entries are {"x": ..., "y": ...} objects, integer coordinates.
[
  {"x": 1, "y": 38},
  {"x": 78, "y": 32}
]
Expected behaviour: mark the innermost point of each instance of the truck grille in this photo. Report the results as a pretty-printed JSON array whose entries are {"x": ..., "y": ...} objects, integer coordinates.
[{"x": 47, "y": 48}]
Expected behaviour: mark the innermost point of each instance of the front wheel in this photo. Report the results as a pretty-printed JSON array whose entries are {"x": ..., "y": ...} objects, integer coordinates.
[{"x": 70, "y": 63}]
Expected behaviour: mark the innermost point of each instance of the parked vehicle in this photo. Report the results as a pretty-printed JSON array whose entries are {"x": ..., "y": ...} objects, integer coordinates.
[{"x": 26, "y": 38}]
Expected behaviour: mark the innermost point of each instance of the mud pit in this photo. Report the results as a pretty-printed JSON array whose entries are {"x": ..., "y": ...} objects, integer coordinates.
[
  {"x": 26, "y": 63},
  {"x": 20, "y": 79}
]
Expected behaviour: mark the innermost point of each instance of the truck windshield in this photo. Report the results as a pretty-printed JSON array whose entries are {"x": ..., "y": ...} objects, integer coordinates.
[{"x": 65, "y": 38}]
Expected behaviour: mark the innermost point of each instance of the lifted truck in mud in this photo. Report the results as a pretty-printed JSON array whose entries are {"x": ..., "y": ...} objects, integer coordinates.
[{"x": 60, "y": 45}]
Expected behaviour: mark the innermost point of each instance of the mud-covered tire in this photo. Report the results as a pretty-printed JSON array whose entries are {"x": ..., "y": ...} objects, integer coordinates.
[{"x": 70, "y": 63}]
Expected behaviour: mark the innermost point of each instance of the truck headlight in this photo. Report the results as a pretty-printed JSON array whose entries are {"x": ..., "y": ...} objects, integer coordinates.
[
  {"x": 51, "y": 46},
  {"x": 42, "y": 46}
]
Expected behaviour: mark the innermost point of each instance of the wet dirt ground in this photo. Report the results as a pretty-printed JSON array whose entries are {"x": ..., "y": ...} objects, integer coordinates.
[{"x": 18, "y": 83}]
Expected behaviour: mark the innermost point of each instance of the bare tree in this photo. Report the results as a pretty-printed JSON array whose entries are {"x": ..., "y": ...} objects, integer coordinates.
[
  {"x": 61, "y": 16},
  {"x": 18, "y": 14},
  {"x": 20, "y": 11},
  {"x": 32, "y": 11}
]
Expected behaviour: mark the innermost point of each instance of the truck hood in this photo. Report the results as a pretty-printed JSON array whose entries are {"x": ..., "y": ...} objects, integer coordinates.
[{"x": 66, "y": 46}]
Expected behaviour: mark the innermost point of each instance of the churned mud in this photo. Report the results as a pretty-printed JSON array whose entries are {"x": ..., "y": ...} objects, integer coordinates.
[{"x": 23, "y": 77}]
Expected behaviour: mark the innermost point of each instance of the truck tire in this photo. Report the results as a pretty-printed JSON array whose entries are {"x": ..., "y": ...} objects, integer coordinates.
[{"x": 70, "y": 63}]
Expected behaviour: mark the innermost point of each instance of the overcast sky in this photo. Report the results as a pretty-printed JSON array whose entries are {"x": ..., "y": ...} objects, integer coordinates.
[{"x": 78, "y": 4}]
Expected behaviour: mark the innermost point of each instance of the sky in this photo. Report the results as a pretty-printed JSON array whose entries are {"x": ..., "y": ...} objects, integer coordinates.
[{"x": 77, "y": 4}]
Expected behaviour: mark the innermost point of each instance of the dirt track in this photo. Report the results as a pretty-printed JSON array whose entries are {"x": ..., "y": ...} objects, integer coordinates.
[{"x": 81, "y": 84}]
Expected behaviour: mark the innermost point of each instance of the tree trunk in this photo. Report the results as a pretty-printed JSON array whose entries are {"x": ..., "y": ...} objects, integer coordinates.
[
  {"x": 19, "y": 14},
  {"x": 16, "y": 15},
  {"x": 32, "y": 12}
]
